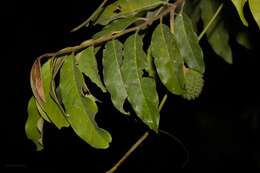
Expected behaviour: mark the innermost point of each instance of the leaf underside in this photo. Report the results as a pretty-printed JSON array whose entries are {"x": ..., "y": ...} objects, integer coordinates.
[
  {"x": 141, "y": 90},
  {"x": 80, "y": 109},
  {"x": 188, "y": 43},
  {"x": 113, "y": 77},
  {"x": 167, "y": 59}
]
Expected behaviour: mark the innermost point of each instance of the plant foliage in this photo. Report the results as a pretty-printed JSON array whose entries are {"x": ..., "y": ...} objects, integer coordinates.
[{"x": 131, "y": 67}]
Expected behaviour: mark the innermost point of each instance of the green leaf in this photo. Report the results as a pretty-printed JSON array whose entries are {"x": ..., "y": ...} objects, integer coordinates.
[
  {"x": 116, "y": 26},
  {"x": 55, "y": 65},
  {"x": 126, "y": 8},
  {"x": 243, "y": 39},
  {"x": 34, "y": 124},
  {"x": 112, "y": 61},
  {"x": 188, "y": 43},
  {"x": 141, "y": 91},
  {"x": 80, "y": 109},
  {"x": 193, "y": 84},
  {"x": 42, "y": 113},
  {"x": 217, "y": 34},
  {"x": 150, "y": 65},
  {"x": 87, "y": 64},
  {"x": 167, "y": 59},
  {"x": 239, "y": 4},
  {"x": 192, "y": 9},
  {"x": 254, "y": 6},
  {"x": 55, "y": 114}
]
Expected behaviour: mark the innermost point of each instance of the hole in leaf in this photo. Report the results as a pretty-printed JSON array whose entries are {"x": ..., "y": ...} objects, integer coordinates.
[
  {"x": 145, "y": 74},
  {"x": 118, "y": 9}
]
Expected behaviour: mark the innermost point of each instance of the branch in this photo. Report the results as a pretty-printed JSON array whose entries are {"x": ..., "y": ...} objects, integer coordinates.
[{"x": 105, "y": 38}]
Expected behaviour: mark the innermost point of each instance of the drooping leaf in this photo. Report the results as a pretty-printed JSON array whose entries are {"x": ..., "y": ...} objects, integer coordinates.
[
  {"x": 126, "y": 8},
  {"x": 51, "y": 108},
  {"x": 55, "y": 66},
  {"x": 141, "y": 90},
  {"x": 243, "y": 39},
  {"x": 116, "y": 26},
  {"x": 42, "y": 113},
  {"x": 87, "y": 64},
  {"x": 188, "y": 43},
  {"x": 112, "y": 61},
  {"x": 167, "y": 59},
  {"x": 239, "y": 4},
  {"x": 254, "y": 6},
  {"x": 34, "y": 124},
  {"x": 36, "y": 82},
  {"x": 80, "y": 109},
  {"x": 217, "y": 34},
  {"x": 193, "y": 84},
  {"x": 192, "y": 9}
]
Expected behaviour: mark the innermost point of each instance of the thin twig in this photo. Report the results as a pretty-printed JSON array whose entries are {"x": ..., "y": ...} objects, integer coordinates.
[
  {"x": 127, "y": 154},
  {"x": 91, "y": 17},
  {"x": 93, "y": 42},
  {"x": 170, "y": 9},
  {"x": 210, "y": 22},
  {"x": 138, "y": 142}
]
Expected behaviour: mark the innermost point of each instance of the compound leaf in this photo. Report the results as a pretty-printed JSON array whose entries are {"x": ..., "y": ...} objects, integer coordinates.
[
  {"x": 34, "y": 124},
  {"x": 218, "y": 36},
  {"x": 188, "y": 43},
  {"x": 167, "y": 58},
  {"x": 141, "y": 90},
  {"x": 87, "y": 64},
  {"x": 112, "y": 61},
  {"x": 80, "y": 109}
]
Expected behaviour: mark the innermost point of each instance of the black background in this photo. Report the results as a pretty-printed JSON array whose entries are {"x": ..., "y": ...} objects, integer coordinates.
[{"x": 220, "y": 129}]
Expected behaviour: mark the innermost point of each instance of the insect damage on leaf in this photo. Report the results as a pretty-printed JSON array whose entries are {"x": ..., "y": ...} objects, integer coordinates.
[
  {"x": 80, "y": 109},
  {"x": 141, "y": 90}
]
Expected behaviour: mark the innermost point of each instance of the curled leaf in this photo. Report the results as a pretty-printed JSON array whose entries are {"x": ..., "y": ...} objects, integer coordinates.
[
  {"x": 168, "y": 60},
  {"x": 113, "y": 78},
  {"x": 141, "y": 90},
  {"x": 80, "y": 109},
  {"x": 36, "y": 82},
  {"x": 54, "y": 112},
  {"x": 34, "y": 124}
]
